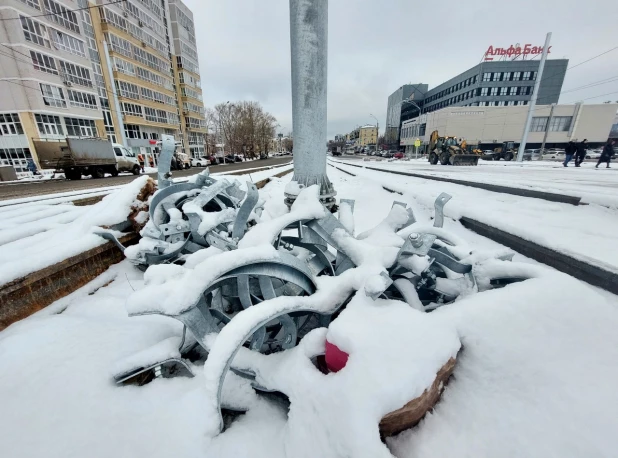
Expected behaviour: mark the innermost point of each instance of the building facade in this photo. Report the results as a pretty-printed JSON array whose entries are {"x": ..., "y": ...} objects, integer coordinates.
[
  {"x": 490, "y": 126},
  {"x": 499, "y": 83},
  {"x": 89, "y": 68},
  {"x": 362, "y": 136},
  {"x": 397, "y": 111}
]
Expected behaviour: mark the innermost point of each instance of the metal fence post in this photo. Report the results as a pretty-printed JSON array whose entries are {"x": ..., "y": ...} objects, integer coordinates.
[{"x": 309, "y": 40}]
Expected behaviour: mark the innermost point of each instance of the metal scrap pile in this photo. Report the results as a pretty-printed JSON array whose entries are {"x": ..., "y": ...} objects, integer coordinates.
[{"x": 427, "y": 273}]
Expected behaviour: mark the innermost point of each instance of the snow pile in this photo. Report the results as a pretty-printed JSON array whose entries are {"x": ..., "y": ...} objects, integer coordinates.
[{"x": 26, "y": 255}]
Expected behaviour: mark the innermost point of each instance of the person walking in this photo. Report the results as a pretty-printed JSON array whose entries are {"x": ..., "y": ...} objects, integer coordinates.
[
  {"x": 140, "y": 159},
  {"x": 607, "y": 154},
  {"x": 582, "y": 147},
  {"x": 569, "y": 151}
]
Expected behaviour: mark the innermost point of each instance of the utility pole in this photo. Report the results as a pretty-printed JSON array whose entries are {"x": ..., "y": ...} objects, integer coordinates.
[
  {"x": 551, "y": 114},
  {"x": 535, "y": 92},
  {"x": 309, "y": 40}
]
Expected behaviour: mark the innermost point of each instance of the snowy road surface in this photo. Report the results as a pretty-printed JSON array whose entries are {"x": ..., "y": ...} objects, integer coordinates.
[
  {"x": 535, "y": 377},
  {"x": 584, "y": 232},
  {"x": 16, "y": 190}
]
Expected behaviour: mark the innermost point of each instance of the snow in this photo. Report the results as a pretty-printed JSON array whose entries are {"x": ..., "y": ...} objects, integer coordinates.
[
  {"x": 534, "y": 376},
  {"x": 582, "y": 232},
  {"x": 53, "y": 241},
  {"x": 306, "y": 206}
]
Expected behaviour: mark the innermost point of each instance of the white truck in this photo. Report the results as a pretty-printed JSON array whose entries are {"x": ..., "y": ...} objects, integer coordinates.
[{"x": 78, "y": 157}]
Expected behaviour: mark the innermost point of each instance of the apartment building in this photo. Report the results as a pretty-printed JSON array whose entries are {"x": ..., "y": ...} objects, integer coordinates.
[
  {"x": 363, "y": 136},
  {"x": 94, "y": 68}
]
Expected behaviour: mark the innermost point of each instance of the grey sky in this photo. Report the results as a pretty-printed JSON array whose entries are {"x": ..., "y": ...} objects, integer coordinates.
[{"x": 376, "y": 46}]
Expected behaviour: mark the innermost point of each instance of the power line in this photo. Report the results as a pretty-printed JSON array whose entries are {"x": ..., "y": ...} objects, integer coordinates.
[{"x": 60, "y": 14}]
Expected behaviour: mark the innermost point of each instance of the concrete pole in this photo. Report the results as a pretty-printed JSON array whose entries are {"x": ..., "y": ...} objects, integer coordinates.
[
  {"x": 309, "y": 40},
  {"x": 535, "y": 92}
]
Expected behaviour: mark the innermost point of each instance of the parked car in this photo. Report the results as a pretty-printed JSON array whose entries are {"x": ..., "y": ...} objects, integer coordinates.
[
  {"x": 263, "y": 156},
  {"x": 399, "y": 155},
  {"x": 200, "y": 161},
  {"x": 238, "y": 158},
  {"x": 594, "y": 154},
  {"x": 229, "y": 159}
]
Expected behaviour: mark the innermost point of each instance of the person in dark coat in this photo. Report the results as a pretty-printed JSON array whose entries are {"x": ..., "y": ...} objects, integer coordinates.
[
  {"x": 581, "y": 152},
  {"x": 569, "y": 151},
  {"x": 607, "y": 154}
]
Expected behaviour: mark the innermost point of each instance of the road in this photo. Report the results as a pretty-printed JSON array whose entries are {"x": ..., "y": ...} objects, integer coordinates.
[{"x": 37, "y": 188}]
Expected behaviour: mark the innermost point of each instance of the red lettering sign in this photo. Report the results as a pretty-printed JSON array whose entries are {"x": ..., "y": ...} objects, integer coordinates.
[{"x": 514, "y": 51}]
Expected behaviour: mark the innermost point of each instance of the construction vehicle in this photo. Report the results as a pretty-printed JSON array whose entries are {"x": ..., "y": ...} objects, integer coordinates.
[
  {"x": 507, "y": 152},
  {"x": 447, "y": 150}
]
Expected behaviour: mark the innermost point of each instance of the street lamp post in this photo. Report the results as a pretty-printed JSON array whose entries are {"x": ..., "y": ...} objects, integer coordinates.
[{"x": 309, "y": 40}]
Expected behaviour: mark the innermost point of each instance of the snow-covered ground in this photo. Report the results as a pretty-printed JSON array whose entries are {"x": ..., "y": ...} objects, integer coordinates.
[
  {"x": 535, "y": 377},
  {"x": 36, "y": 232},
  {"x": 584, "y": 232},
  {"x": 593, "y": 185}
]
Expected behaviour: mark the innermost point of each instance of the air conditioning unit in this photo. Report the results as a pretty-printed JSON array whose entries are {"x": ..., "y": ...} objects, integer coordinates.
[
  {"x": 125, "y": 14},
  {"x": 140, "y": 23},
  {"x": 185, "y": 113},
  {"x": 68, "y": 83},
  {"x": 143, "y": 44}
]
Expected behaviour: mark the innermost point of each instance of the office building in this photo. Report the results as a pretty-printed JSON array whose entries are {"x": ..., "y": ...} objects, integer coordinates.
[
  {"x": 397, "y": 111},
  {"x": 489, "y": 126},
  {"x": 499, "y": 83},
  {"x": 89, "y": 68}
]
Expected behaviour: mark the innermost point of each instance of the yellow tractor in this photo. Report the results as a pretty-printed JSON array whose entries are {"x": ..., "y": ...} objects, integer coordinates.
[{"x": 447, "y": 150}]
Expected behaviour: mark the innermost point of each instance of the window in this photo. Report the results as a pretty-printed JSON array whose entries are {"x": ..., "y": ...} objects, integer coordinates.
[
  {"x": 513, "y": 90},
  {"x": 539, "y": 124},
  {"x": 61, "y": 15},
  {"x": 32, "y": 3},
  {"x": 10, "y": 125},
  {"x": 507, "y": 76},
  {"x": 115, "y": 19},
  {"x": 17, "y": 157},
  {"x": 495, "y": 76},
  {"x": 118, "y": 151},
  {"x": 510, "y": 103},
  {"x": 486, "y": 76},
  {"x": 119, "y": 45},
  {"x": 132, "y": 131},
  {"x": 128, "y": 90},
  {"x": 500, "y": 104},
  {"x": 493, "y": 91},
  {"x": 34, "y": 31},
  {"x": 516, "y": 76},
  {"x": 525, "y": 90},
  {"x": 75, "y": 74},
  {"x": 124, "y": 67},
  {"x": 155, "y": 115},
  {"x": 43, "y": 63},
  {"x": 68, "y": 43},
  {"x": 503, "y": 90},
  {"x": 533, "y": 77},
  {"x": 527, "y": 76},
  {"x": 49, "y": 125},
  {"x": 132, "y": 109},
  {"x": 560, "y": 123},
  {"x": 474, "y": 79},
  {"x": 80, "y": 127},
  {"x": 82, "y": 99},
  {"x": 53, "y": 96}
]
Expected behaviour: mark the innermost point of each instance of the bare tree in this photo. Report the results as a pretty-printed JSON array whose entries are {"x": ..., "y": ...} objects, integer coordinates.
[{"x": 245, "y": 127}]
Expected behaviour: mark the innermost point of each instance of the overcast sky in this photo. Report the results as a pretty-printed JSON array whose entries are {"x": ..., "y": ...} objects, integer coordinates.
[{"x": 375, "y": 46}]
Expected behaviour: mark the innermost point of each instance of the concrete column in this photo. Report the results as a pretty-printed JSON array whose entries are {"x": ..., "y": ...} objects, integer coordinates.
[{"x": 309, "y": 40}]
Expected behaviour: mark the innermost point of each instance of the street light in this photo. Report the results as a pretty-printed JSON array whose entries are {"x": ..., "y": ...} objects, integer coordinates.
[{"x": 377, "y": 130}]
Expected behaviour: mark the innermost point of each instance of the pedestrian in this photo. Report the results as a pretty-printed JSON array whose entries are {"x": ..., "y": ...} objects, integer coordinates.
[
  {"x": 140, "y": 159},
  {"x": 608, "y": 153},
  {"x": 582, "y": 147},
  {"x": 569, "y": 151}
]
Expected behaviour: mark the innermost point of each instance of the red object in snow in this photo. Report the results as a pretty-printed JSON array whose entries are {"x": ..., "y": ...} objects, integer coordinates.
[{"x": 335, "y": 358}]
